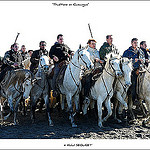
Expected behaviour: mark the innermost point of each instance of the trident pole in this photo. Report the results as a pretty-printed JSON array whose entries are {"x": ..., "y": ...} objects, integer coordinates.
[
  {"x": 16, "y": 37},
  {"x": 90, "y": 31}
]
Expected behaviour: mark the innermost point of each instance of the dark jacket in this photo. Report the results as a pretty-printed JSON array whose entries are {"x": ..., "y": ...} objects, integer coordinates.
[
  {"x": 10, "y": 58},
  {"x": 131, "y": 53},
  {"x": 62, "y": 51},
  {"x": 106, "y": 49},
  {"x": 145, "y": 55},
  {"x": 35, "y": 59}
]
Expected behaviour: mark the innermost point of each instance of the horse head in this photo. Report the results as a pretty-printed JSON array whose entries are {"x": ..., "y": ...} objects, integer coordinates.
[
  {"x": 113, "y": 64},
  {"x": 27, "y": 84},
  {"x": 44, "y": 63},
  {"x": 126, "y": 66},
  {"x": 84, "y": 59}
]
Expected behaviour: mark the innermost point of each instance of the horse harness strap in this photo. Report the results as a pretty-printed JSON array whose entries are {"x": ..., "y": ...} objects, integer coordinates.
[
  {"x": 78, "y": 85},
  {"x": 108, "y": 93}
]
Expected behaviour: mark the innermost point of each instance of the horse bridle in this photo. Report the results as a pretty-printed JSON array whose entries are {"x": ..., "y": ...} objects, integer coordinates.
[
  {"x": 112, "y": 68},
  {"x": 79, "y": 56}
]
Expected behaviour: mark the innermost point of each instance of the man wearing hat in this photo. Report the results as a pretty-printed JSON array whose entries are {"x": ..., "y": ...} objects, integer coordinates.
[
  {"x": 36, "y": 57},
  {"x": 107, "y": 47}
]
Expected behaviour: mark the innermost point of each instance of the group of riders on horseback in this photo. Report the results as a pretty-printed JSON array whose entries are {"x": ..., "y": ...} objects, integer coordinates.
[{"x": 61, "y": 54}]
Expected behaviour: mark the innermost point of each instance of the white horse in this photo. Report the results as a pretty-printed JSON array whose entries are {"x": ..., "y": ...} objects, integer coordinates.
[
  {"x": 143, "y": 94},
  {"x": 15, "y": 85},
  {"x": 71, "y": 84},
  {"x": 102, "y": 91},
  {"x": 41, "y": 88},
  {"x": 122, "y": 85}
]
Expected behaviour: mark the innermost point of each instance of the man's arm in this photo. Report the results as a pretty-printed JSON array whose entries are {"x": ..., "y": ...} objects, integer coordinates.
[
  {"x": 7, "y": 60},
  {"x": 34, "y": 59}
]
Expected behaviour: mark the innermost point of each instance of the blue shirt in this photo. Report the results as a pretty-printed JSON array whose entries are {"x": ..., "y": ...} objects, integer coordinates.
[{"x": 131, "y": 53}]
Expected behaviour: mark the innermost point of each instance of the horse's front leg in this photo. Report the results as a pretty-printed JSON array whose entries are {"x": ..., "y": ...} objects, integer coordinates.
[
  {"x": 130, "y": 105},
  {"x": 121, "y": 100},
  {"x": 108, "y": 106},
  {"x": 33, "y": 107},
  {"x": 10, "y": 102},
  {"x": 46, "y": 99},
  {"x": 85, "y": 106},
  {"x": 16, "y": 109},
  {"x": 69, "y": 102},
  {"x": 99, "y": 107},
  {"x": 76, "y": 101}
]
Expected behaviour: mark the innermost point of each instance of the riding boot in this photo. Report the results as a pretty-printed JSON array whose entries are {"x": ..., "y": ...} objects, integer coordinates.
[
  {"x": 87, "y": 85},
  {"x": 56, "y": 72}
]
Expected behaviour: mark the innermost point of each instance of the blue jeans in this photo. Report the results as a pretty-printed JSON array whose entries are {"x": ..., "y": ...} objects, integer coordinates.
[{"x": 56, "y": 72}]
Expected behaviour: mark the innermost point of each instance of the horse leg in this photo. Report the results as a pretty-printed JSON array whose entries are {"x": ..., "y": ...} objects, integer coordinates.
[
  {"x": 108, "y": 106},
  {"x": 99, "y": 107},
  {"x": 69, "y": 102},
  {"x": 85, "y": 106},
  {"x": 115, "y": 105},
  {"x": 122, "y": 102},
  {"x": 62, "y": 101},
  {"x": 76, "y": 101},
  {"x": 148, "y": 107},
  {"x": 16, "y": 109},
  {"x": 33, "y": 107},
  {"x": 1, "y": 110},
  {"x": 10, "y": 101},
  {"x": 130, "y": 105},
  {"x": 46, "y": 99}
]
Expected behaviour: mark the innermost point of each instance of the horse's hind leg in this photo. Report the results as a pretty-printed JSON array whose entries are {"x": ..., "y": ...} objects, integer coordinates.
[
  {"x": 46, "y": 99},
  {"x": 69, "y": 102}
]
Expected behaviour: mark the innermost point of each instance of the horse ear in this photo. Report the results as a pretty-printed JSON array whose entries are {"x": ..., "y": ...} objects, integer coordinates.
[
  {"x": 80, "y": 46},
  {"x": 111, "y": 56},
  {"x": 122, "y": 60},
  {"x": 105, "y": 58}
]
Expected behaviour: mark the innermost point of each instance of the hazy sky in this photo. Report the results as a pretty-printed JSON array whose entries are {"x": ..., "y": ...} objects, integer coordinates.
[{"x": 37, "y": 20}]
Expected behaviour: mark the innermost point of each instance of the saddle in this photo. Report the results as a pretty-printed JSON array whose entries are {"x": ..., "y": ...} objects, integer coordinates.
[
  {"x": 96, "y": 74},
  {"x": 91, "y": 77},
  {"x": 62, "y": 65}
]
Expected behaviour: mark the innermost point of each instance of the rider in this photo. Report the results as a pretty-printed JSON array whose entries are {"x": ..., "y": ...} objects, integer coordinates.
[
  {"x": 133, "y": 53},
  {"x": 107, "y": 47},
  {"x": 23, "y": 52},
  {"x": 12, "y": 60},
  {"x": 59, "y": 52},
  {"x": 144, "y": 53},
  {"x": 95, "y": 58},
  {"x": 36, "y": 56}
]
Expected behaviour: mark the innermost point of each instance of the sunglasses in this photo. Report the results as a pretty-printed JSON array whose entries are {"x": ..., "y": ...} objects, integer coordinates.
[{"x": 43, "y": 44}]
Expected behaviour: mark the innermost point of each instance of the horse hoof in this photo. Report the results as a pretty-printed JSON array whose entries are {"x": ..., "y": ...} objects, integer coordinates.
[
  {"x": 119, "y": 121},
  {"x": 74, "y": 126},
  {"x": 51, "y": 125}
]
